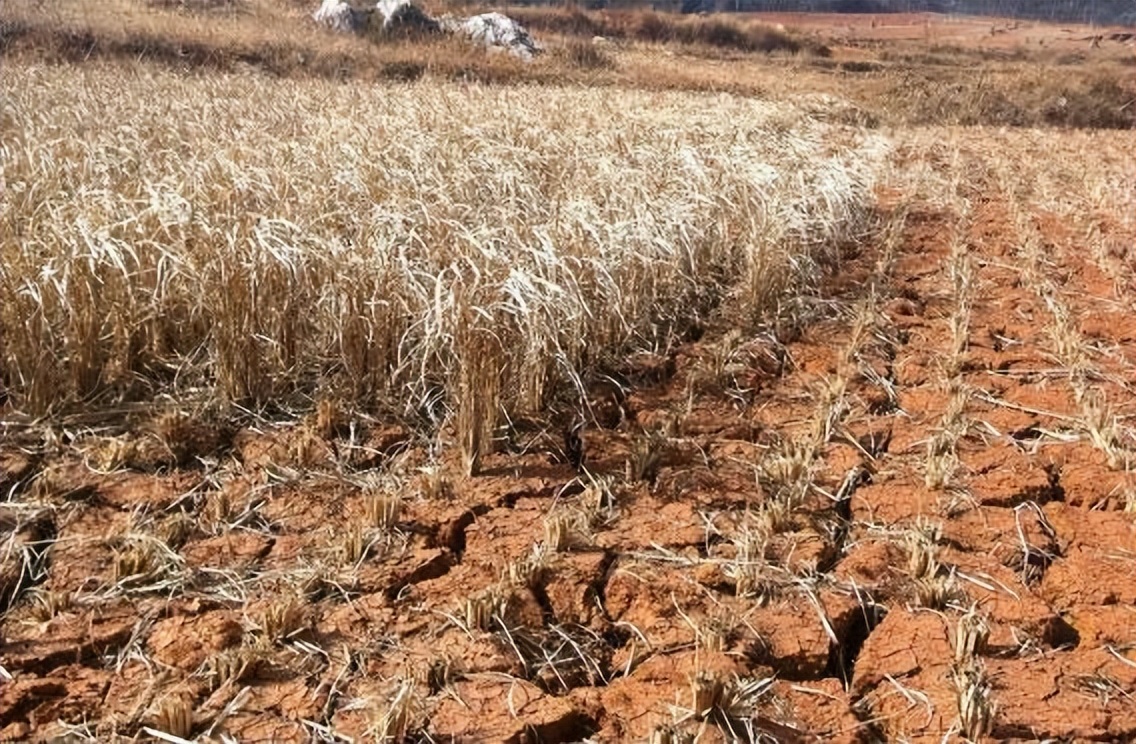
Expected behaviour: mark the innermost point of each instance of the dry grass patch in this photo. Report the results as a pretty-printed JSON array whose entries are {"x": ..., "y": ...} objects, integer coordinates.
[
  {"x": 1013, "y": 94},
  {"x": 906, "y": 83},
  {"x": 281, "y": 39},
  {"x": 395, "y": 244},
  {"x": 588, "y": 55},
  {"x": 723, "y": 32}
]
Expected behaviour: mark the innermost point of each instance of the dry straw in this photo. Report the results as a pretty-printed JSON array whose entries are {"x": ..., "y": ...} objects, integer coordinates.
[{"x": 249, "y": 238}]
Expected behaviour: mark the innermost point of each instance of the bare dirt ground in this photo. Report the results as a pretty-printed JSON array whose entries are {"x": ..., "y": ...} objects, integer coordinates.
[
  {"x": 936, "y": 28},
  {"x": 955, "y": 424}
]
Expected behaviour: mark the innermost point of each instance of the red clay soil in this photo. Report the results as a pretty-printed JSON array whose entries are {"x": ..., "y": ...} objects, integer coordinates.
[{"x": 234, "y": 592}]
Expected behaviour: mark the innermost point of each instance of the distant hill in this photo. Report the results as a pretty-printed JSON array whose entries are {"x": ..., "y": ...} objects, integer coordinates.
[{"x": 1122, "y": 12}]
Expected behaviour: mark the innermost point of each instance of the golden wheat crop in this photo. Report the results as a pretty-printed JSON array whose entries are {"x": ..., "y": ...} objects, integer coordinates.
[{"x": 251, "y": 237}]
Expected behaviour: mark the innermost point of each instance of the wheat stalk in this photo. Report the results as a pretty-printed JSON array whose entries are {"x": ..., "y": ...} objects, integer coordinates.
[{"x": 209, "y": 243}]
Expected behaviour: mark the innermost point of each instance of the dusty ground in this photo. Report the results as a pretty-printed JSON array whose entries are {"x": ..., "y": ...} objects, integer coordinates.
[
  {"x": 937, "y": 28},
  {"x": 286, "y": 582}
]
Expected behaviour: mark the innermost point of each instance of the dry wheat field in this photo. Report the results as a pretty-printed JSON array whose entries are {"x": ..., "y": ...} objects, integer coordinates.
[{"x": 665, "y": 390}]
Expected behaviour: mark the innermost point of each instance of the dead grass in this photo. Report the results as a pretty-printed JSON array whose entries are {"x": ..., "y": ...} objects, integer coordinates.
[
  {"x": 721, "y": 32},
  {"x": 243, "y": 244},
  {"x": 284, "y": 42},
  {"x": 283, "y": 48},
  {"x": 588, "y": 55},
  {"x": 908, "y": 84},
  {"x": 1089, "y": 97}
]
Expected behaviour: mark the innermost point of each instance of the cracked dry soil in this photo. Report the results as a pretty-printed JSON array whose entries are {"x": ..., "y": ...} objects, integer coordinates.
[{"x": 928, "y": 405}]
